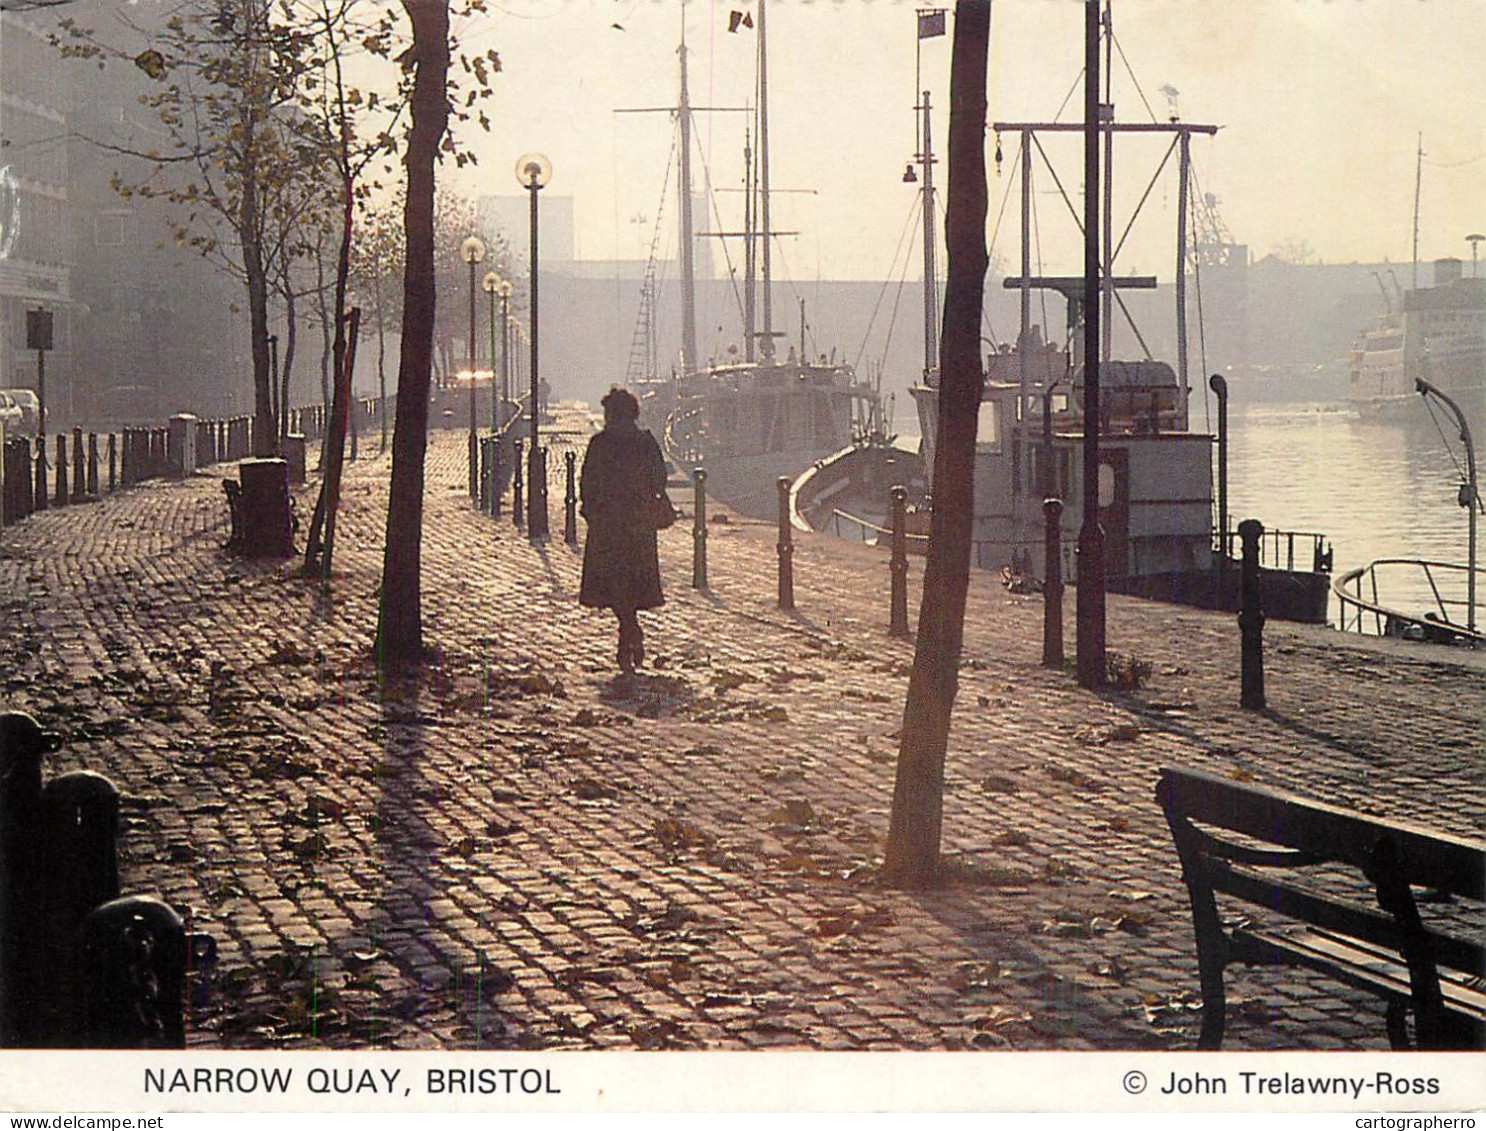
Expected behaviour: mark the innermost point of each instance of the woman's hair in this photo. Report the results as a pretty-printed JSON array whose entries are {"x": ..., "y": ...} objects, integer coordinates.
[{"x": 621, "y": 404}]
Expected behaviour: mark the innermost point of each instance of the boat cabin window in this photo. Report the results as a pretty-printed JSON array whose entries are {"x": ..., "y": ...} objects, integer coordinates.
[{"x": 988, "y": 427}]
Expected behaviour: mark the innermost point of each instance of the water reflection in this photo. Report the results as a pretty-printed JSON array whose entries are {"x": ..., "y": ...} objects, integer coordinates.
[{"x": 1376, "y": 490}]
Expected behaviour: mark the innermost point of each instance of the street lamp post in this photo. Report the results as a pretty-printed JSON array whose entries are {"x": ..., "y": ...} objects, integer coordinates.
[
  {"x": 534, "y": 171},
  {"x": 492, "y": 284},
  {"x": 472, "y": 251}
]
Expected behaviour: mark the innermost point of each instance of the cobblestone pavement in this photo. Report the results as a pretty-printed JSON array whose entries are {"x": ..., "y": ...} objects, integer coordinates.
[{"x": 525, "y": 850}]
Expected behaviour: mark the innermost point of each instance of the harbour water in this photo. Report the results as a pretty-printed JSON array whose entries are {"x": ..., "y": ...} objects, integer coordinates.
[{"x": 1375, "y": 490}]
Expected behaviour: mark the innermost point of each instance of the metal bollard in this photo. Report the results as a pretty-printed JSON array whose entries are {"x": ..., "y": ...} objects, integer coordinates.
[
  {"x": 474, "y": 462},
  {"x": 480, "y": 472},
  {"x": 786, "y": 549},
  {"x": 495, "y": 489},
  {"x": 1052, "y": 583},
  {"x": 79, "y": 469},
  {"x": 93, "y": 464},
  {"x": 570, "y": 501},
  {"x": 536, "y": 493},
  {"x": 517, "y": 515},
  {"x": 60, "y": 499},
  {"x": 699, "y": 529},
  {"x": 113, "y": 463},
  {"x": 132, "y": 956},
  {"x": 39, "y": 492},
  {"x": 898, "y": 566},
  {"x": 1251, "y": 618}
]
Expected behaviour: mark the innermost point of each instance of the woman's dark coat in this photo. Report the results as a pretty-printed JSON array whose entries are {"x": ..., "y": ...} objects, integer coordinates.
[{"x": 621, "y": 569}]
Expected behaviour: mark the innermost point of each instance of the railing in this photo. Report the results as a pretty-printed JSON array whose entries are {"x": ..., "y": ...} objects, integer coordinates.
[
  {"x": 871, "y": 533},
  {"x": 1277, "y": 549},
  {"x": 1357, "y": 591}
]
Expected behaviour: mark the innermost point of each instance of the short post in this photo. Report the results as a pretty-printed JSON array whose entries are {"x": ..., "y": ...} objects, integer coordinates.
[
  {"x": 480, "y": 471},
  {"x": 699, "y": 529},
  {"x": 1052, "y": 583},
  {"x": 474, "y": 455},
  {"x": 516, "y": 493},
  {"x": 60, "y": 499},
  {"x": 79, "y": 466},
  {"x": 898, "y": 566},
  {"x": 113, "y": 462},
  {"x": 40, "y": 490},
  {"x": 786, "y": 549},
  {"x": 93, "y": 464},
  {"x": 536, "y": 490},
  {"x": 495, "y": 492},
  {"x": 1251, "y": 617},
  {"x": 570, "y": 501}
]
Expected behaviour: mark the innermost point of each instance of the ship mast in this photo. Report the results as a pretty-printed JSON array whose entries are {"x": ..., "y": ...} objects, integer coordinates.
[
  {"x": 1418, "y": 180},
  {"x": 688, "y": 264},
  {"x": 931, "y": 293},
  {"x": 766, "y": 231}
]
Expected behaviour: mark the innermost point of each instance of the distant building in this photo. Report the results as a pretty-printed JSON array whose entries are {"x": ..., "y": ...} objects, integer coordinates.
[
  {"x": 35, "y": 241},
  {"x": 142, "y": 326}
]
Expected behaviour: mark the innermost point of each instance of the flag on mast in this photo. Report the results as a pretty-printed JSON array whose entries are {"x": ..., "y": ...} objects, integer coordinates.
[
  {"x": 739, "y": 19},
  {"x": 930, "y": 22}
]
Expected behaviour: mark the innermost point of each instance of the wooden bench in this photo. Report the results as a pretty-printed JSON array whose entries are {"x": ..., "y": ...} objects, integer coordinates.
[{"x": 1315, "y": 871}]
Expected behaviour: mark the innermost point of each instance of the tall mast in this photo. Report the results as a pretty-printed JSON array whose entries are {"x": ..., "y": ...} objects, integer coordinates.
[
  {"x": 931, "y": 293},
  {"x": 1106, "y": 267},
  {"x": 750, "y": 250},
  {"x": 688, "y": 266},
  {"x": 1418, "y": 179},
  {"x": 765, "y": 230}
]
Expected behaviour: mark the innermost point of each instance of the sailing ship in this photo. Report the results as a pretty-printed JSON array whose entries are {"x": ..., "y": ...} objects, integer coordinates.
[
  {"x": 749, "y": 422},
  {"x": 1155, "y": 475}
]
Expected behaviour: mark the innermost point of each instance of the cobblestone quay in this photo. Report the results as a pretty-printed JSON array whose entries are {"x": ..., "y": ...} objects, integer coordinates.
[{"x": 525, "y": 850}]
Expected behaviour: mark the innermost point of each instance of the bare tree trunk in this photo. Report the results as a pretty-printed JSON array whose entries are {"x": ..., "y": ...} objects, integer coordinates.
[
  {"x": 291, "y": 333},
  {"x": 912, "y": 856},
  {"x": 400, "y": 625}
]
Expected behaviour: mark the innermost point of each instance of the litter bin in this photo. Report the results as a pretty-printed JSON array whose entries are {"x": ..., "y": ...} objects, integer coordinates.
[
  {"x": 266, "y": 524},
  {"x": 294, "y": 453}
]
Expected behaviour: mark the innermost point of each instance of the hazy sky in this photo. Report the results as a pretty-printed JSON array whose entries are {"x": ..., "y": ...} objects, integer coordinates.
[{"x": 1320, "y": 102}]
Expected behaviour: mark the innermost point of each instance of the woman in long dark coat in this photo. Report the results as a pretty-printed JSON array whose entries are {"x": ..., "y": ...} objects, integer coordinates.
[{"x": 622, "y": 471}]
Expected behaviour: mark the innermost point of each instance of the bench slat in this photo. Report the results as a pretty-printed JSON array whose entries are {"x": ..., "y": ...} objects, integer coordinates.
[
  {"x": 1450, "y": 863},
  {"x": 1344, "y": 916},
  {"x": 1362, "y": 966}
]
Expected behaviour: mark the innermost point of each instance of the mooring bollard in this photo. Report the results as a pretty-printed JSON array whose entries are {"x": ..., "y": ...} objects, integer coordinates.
[
  {"x": 495, "y": 492},
  {"x": 517, "y": 518},
  {"x": 480, "y": 472},
  {"x": 79, "y": 466},
  {"x": 1251, "y": 617},
  {"x": 60, "y": 499},
  {"x": 40, "y": 490},
  {"x": 570, "y": 501},
  {"x": 699, "y": 528},
  {"x": 786, "y": 549},
  {"x": 898, "y": 566},
  {"x": 536, "y": 493},
  {"x": 1052, "y": 583},
  {"x": 93, "y": 464}
]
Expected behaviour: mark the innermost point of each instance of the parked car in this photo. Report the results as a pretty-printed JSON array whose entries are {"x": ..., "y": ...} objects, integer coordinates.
[
  {"x": 11, "y": 415},
  {"x": 30, "y": 408}
]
